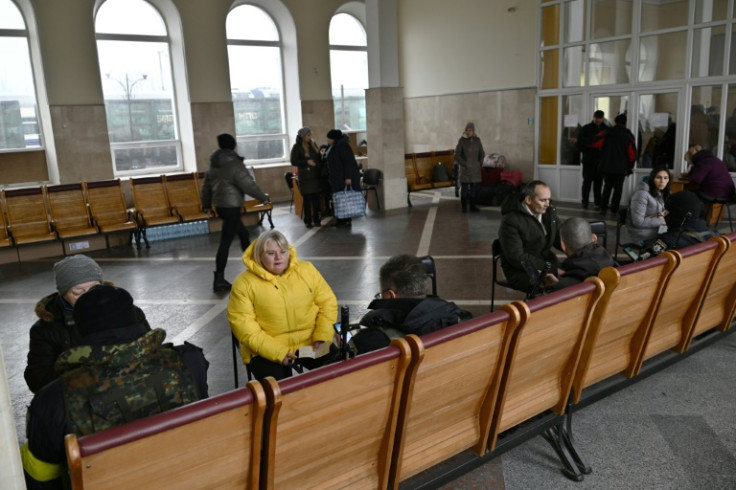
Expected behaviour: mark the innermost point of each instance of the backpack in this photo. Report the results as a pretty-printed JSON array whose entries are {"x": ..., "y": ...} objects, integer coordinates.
[
  {"x": 99, "y": 396},
  {"x": 439, "y": 173},
  {"x": 494, "y": 160}
]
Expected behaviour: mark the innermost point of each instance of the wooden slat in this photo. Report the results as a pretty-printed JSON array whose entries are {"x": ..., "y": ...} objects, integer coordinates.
[
  {"x": 544, "y": 354},
  {"x": 720, "y": 299},
  {"x": 5, "y": 240},
  {"x": 334, "y": 427},
  {"x": 28, "y": 220},
  {"x": 68, "y": 209},
  {"x": 449, "y": 401},
  {"x": 682, "y": 298},
  {"x": 215, "y": 451},
  {"x": 621, "y": 320},
  {"x": 151, "y": 202},
  {"x": 183, "y": 196},
  {"x": 107, "y": 206}
]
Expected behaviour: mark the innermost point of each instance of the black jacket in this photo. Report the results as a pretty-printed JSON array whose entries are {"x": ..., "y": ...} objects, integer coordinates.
[
  {"x": 342, "y": 165},
  {"x": 588, "y": 136},
  {"x": 685, "y": 222},
  {"x": 522, "y": 238},
  {"x": 586, "y": 262},
  {"x": 51, "y": 335},
  {"x": 619, "y": 151},
  {"x": 309, "y": 177},
  {"x": 393, "y": 318},
  {"x": 228, "y": 181}
]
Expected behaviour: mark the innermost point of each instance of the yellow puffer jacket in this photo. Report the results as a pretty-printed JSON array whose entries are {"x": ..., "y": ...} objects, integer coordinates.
[{"x": 272, "y": 315}]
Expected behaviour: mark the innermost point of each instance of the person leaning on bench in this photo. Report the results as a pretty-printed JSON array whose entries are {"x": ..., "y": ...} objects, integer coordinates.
[
  {"x": 529, "y": 230},
  {"x": 585, "y": 258},
  {"x": 403, "y": 307},
  {"x": 121, "y": 372}
]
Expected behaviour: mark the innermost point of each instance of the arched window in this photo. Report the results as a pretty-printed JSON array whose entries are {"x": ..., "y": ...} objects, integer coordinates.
[
  {"x": 19, "y": 115},
  {"x": 257, "y": 83},
  {"x": 135, "y": 67},
  {"x": 348, "y": 71}
]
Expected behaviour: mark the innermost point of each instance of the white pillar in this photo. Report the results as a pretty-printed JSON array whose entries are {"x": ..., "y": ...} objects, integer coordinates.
[{"x": 11, "y": 470}]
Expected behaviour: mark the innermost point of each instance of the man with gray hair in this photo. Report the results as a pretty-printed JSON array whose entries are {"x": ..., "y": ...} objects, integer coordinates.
[
  {"x": 585, "y": 257},
  {"x": 403, "y": 307}
]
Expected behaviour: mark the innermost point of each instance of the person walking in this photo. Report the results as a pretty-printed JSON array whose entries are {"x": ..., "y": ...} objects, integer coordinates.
[{"x": 225, "y": 185}]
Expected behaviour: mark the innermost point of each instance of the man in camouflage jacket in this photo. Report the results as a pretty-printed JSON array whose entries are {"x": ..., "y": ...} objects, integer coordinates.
[{"x": 122, "y": 373}]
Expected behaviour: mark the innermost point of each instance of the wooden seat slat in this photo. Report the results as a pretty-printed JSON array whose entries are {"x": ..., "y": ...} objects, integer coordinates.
[
  {"x": 69, "y": 212},
  {"x": 151, "y": 202},
  {"x": 183, "y": 196},
  {"x": 107, "y": 206},
  {"x": 28, "y": 219}
]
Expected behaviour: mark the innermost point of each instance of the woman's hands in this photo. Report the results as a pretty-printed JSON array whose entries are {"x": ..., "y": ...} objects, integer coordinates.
[{"x": 288, "y": 359}]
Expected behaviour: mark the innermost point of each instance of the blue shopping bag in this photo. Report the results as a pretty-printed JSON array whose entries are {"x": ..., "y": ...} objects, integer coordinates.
[{"x": 348, "y": 204}]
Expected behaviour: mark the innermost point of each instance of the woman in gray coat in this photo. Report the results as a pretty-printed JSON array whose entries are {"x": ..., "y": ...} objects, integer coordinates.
[
  {"x": 469, "y": 156},
  {"x": 225, "y": 185},
  {"x": 646, "y": 209}
]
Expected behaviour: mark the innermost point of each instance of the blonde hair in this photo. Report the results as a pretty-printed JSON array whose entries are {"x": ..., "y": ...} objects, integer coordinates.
[
  {"x": 690, "y": 152},
  {"x": 261, "y": 242}
]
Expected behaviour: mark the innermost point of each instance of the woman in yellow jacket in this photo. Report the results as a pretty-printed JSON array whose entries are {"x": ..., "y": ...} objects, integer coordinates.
[{"x": 277, "y": 305}]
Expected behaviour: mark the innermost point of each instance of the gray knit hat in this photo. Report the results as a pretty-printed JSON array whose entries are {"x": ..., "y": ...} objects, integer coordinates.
[
  {"x": 303, "y": 132},
  {"x": 75, "y": 269}
]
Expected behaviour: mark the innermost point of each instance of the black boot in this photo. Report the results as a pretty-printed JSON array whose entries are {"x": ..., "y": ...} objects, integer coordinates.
[
  {"x": 464, "y": 204},
  {"x": 472, "y": 205},
  {"x": 220, "y": 284}
]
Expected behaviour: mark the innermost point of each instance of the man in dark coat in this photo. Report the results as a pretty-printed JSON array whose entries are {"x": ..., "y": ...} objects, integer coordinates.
[
  {"x": 121, "y": 372},
  {"x": 587, "y": 137},
  {"x": 343, "y": 168},
  {"x": 618, "y": 155},
  {"x": 529, "y": 230},
  {"x": 585, "y": 258},
  {"x": 403, "y": 307}
]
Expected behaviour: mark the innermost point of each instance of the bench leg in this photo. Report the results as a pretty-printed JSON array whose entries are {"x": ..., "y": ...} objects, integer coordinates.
[
  {"x": 142, "y": 233},
  {"x": 574, "y": 468},
  {"x": 270, "y": 221}
]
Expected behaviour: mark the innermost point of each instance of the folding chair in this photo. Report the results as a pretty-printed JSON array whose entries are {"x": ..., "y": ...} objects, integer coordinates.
[{"x": 371, "y": 178}]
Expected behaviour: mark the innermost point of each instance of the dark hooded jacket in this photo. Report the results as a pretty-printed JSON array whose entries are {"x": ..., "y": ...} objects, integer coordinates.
[
  {"x": 584, "y": 263},
  {"x": 342, "y": 165},
  {"x": 393, "y": 318},
  {"x": 522, "y": 238},
  {"x": 618, "y": 152},
  {"x": 712, "y": 175},
  {"x": 51, "y": 335},
  {"x": 685, "y": 222},
  {"x": 310, "y": 177},
  {"x": 228, "y": 181}
]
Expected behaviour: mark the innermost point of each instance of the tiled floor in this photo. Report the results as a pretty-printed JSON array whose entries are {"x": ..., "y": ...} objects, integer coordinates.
[{"x": 673, "y": 430}]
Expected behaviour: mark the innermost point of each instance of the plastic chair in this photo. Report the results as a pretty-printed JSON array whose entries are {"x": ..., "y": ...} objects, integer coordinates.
[
  {"x": 725, "y": 202},
  {"x": 599, "y": 228},
  {"x": 289, "y": 178},
  {"x": 371, "y": 178}
]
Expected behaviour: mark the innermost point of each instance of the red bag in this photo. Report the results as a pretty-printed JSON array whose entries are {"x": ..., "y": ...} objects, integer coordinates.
[
  {"x": 513, "y": 177},
  {"x": 490, "y": 175}
]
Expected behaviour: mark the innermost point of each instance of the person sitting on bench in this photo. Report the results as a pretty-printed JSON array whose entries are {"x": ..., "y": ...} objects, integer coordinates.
[
  {"x": 585, "y": 258},
  {"x": 403, "y": 307}
]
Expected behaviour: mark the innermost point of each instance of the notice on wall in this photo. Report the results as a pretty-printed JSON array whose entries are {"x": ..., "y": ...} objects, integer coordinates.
[{"x": 571, "y": 120}]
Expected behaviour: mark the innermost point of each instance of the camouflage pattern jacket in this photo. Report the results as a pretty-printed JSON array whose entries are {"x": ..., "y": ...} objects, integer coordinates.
[{"x": 104, "y": 386}]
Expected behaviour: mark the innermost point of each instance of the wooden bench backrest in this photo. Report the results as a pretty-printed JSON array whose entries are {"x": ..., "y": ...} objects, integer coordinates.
[
  {"x": 449, "y": 402},
  {"x": 68, "y": 206},
  {"x": 106, "y": 202},
  {"x": 214, "y": 443},
  {"x": 544, "y": 354},
  {"x": 424, "y": 164},
  {"x": 149, "y": 197},
  {"x": 719, "y": 303},
  {"x": 4, "y": 236},
  {"x": 682, "y": 298},
  {"x": 410, "y": 170},
  {"x": 28, "y": 218},
  {"x": 183, "y": 195},
  {"x": 334, "y": 427},
  {"x": 621, "y": 320}
]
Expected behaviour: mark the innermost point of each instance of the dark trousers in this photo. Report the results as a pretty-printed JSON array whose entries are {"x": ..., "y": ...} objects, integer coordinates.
[
  {"x": 467, "y": 191},
  {"x": 231, "y": 226},
  {"x": 262, "y": 368},
  {"x": 613, "y": 184},
  {"x": 312, "y": 204},
  {"x": 591, "y": 178}
]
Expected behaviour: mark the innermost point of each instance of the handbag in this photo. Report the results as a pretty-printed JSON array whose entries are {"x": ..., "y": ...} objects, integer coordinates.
[{"x": 348, "y": 204}]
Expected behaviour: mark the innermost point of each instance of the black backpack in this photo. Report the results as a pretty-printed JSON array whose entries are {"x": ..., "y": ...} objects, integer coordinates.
[{"x": 439, "y": 173}]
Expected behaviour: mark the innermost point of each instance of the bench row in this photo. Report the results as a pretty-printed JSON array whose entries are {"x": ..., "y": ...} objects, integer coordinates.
[
  {"x": 419, "y": 169},
  {"x": 382, "y": 418}
]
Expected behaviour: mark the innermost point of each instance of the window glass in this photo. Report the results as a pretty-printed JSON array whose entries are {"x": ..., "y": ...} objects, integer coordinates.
[
  {"x": 732, "y": 57},
  {"x": 662, "y": 57},
  {"x": 258, "y": 94},
  {"x": 572, "y": 121},
  {"x": 708, "y": 51},
  {"x": 348, "y": 72},
  {"x": 709, "y": 10},
  {"x": 138, "y": 87},
  {"x": 574, "y": 75},
  {"x": 657, "y": 129},
  {"x": 705, "y": 117},
  {"x": 574, "y": 21},
  {"x": 605, "y": 62},
  {"x": 656, "y": 14},
  {"x": 19, "y": 124},
  {"x": 611, "y": 18},
  {"x": 729, "y": 148}
]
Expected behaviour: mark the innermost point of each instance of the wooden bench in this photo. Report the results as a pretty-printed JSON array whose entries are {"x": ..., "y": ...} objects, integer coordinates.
[
  {"x": 28, "y": 220},
  {"x": 108, "y": 209},
  {"x": 214, "y": 443},
  {"x": 183, "y": 196},
  {"x": 719, "y": 304},
  {"x": 419, "y": 170},
  {"x": 682, "y": 298},
  {"x": 152, "y": 206},
  {"x": 621, "y": 320},
  {"x": 448, "y": 403},
  {"x": 253, "y": 205},
  {"x": 69, "y": 213},
  {"x": 334, "y": 427},
  {"x": 5, "y": 238}
]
